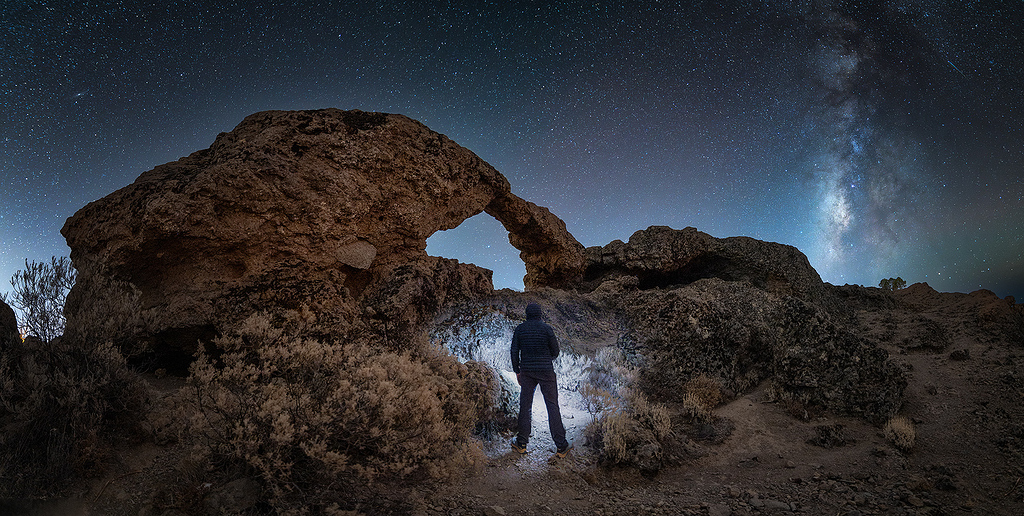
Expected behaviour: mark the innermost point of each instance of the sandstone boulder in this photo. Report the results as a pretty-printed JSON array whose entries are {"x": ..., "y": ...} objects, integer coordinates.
[{"x": 313, "y": 210}]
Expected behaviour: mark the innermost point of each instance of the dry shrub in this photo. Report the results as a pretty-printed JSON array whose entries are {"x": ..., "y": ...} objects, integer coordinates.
[
  {"x": 609, "y": 371},
  {"x": 900, "y": 432},
  {"x": 61, "y": 405},
  {"x": 635, "y": 433},
  {"x": 597, "y": 400},
  {"x": 832, "y": 435},
  {"x": 701, "y": 395},
  {"x": 627, "y": 427},
  {"x": 313, "y": 421}
]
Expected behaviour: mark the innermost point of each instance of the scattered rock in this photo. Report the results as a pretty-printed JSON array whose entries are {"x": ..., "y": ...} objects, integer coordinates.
[
  {"x": 777, "y": 505},
  {"x": 719, "y": 510}
]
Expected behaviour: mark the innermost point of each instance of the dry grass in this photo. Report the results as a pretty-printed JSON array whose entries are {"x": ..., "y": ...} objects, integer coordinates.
[
  {"x": 701, "y": 395},
  {"x": 627, "y": 427},
  {"x": 899, "y": 430},
  {"x": 633, "y": 426}
]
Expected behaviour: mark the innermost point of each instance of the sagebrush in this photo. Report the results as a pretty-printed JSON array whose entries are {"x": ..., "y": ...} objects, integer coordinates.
[
  {"x": 62, "y": 404},
  {"x": 635, "y": 433},
  {"x": 313, "y": 421},
  {"x": 627, "y": 428},
  {"x": 40, "y": 291},
  {"x": 701, "y": 395}
]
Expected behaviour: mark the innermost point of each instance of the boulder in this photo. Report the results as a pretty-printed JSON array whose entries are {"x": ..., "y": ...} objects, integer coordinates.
[
  {"x": 301, "y": 210},
  {"x": 662, "y": 257},
  {"x": 742, "y": 336}
]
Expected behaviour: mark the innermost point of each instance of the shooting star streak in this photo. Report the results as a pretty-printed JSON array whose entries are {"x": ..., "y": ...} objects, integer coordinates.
[{"x": 955, "y": 68}]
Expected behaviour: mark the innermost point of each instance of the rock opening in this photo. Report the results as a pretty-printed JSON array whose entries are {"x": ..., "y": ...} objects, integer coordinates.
[
  {"x": 482, "y": 241},
  {"x": 484, "y": 334}
]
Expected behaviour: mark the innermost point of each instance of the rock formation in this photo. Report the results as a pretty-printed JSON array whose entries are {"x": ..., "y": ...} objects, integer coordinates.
[
  {"x": 328, "y": 212},
  {"x": 306, "y": 209},
  {"x": 8, "y": 324},
  {"x": 742, "y": 311},
  {"x": 664, "y": 257}
]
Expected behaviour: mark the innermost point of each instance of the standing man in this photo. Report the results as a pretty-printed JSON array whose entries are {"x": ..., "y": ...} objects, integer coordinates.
[{"x": 534, "y": 347}]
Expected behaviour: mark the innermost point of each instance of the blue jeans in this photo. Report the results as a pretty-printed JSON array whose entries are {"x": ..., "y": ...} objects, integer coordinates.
[{"x": 529, "y": 380}]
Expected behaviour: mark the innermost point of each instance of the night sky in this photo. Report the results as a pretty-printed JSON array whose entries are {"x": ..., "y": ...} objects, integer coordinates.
[{"x": 882, "y": 139}]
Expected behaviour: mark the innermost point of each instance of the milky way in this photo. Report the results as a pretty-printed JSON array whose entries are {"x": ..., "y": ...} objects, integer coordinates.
[
  {"x": 880, "y": 138},
  {"x": 865, "y": 172}
]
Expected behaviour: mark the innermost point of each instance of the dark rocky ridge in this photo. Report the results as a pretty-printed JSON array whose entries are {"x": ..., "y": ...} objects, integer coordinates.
[{"x": 663, "y": 257}]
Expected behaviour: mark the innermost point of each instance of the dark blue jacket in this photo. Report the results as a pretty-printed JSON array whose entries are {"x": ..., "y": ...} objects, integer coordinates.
[{"x": 534, "y": 345}]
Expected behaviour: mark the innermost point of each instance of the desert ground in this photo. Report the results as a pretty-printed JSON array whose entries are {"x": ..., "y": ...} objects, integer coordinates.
[{"x": 758, "y": 457}]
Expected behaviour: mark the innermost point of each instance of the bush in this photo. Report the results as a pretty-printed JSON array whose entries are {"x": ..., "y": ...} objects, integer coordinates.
[
  {"x": 61, "y": 404},
  {"x": 39, "y": 294},
  {"x": 634, "y": 433},
  {"x": 627, "y": 428},
  {"x": 701, "y": 395},
  {"x": 900, "y": 432},
  {"x": 313, "y": 421},
  {"x": 892, "y": 284}
]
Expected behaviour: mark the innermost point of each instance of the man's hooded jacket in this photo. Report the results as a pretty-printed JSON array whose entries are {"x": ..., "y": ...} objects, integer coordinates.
[{"x": 534, "y": 345}]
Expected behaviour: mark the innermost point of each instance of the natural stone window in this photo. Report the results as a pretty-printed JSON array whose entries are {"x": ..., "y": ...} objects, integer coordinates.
[{"x": 482, "y": 241}]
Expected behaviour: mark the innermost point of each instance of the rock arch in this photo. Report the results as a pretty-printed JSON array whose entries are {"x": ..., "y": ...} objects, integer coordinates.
[{"x": 322, "y": 208}]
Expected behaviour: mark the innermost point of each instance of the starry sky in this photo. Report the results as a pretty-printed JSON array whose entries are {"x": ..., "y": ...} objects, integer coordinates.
[{"x": 882, "y": 139}]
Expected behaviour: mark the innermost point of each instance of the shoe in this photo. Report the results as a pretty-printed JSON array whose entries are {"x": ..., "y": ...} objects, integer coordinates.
[
  {"x": 562, "y": 452},
  {"x": 517, "y": 448}
]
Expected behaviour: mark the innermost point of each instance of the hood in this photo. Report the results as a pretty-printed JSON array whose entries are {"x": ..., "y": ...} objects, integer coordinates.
[{"x": 533, "y": 311}]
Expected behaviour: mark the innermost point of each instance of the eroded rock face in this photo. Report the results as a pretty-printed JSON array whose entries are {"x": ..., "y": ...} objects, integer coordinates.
[
  {"x": 742, "y": 311},
  {"x": 743, "y": 335},
  {"x": 552, "y": 255},
  {"x": 8, "y": 324},
  {"x": 661, "y": 257},
  {"x": 313, "y": 209}
]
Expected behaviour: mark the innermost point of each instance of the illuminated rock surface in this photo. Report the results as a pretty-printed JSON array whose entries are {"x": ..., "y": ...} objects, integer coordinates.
[{"x": 327, "y": 210}]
